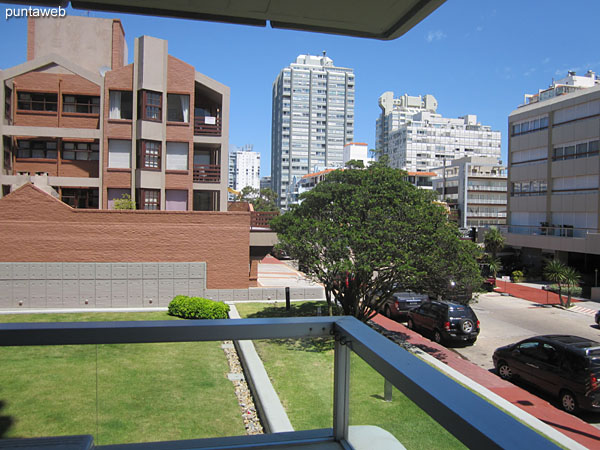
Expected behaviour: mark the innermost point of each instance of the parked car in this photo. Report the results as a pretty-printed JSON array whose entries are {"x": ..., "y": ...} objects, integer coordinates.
[
  {"x": 398, "y": 306},
  {"x": 597, "y": 318},
  {"x": 567, "y": 367},
  {"x": 446, "y": 321}
]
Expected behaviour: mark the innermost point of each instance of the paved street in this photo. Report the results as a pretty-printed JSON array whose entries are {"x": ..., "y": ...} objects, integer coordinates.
[{"x": 505, "y": 320}]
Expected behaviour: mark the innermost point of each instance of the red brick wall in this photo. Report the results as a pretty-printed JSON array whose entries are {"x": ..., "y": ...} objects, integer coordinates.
[
  {"x": 60, "y": 84},
  {"x": 38, "y": 228},
  {"x": 30, "y": 38},
  {"x": 118, "y": 44}
]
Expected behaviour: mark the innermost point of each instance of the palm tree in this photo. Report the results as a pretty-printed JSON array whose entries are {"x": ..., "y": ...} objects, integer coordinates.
[
  {"x": 493, "y": 241},
  {"x": 572, "y": 279},
  {"x": 494, "y": 265},
  {"x": 555, "y": 271}
]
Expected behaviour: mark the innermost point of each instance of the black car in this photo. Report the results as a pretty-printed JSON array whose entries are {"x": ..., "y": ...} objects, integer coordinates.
[
  {"x": 597, "y": 318},
  {"x": 446, "y": 321},
  {"x": 567, "y": 367},
  {"x": 400, "y": 303}
]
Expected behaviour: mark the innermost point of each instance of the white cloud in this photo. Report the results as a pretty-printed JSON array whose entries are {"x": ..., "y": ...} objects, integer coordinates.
[
  {"x": 435, "y": 36},
  {"x": 479, "y": 28}
]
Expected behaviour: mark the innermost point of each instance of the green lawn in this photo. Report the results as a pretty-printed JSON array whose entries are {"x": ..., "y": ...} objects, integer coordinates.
[
  {"x": 302, "y": 374},
  {"x": 118, "y": 393}
]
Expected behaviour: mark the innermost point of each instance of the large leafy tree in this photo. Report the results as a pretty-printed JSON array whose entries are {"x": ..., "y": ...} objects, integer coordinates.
[
  {"x": 262, "y": 200},
  {"x": 365, "y": 234}
]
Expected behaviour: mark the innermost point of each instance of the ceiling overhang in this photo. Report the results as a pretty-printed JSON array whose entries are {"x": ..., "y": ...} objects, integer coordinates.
[{"x": 377, "y": 19}]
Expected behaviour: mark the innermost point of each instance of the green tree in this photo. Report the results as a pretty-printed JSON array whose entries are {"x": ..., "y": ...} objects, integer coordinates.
[
  {"x": 262, "y": 200},
  {"x": 572, "y": 278},
  {"x": 124, "y": 202},
  {"x": 555, "y": 271},
  {"x": 493, "y": 241},
  {"x": 365, "y": 234},
  {"x": 494, "y": 265},
  {"x": 355, "y": 164}
]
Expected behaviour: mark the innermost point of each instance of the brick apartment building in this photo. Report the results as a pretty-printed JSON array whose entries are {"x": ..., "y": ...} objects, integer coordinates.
[
  {"x": 81, "y": 123},
  {"x": 86, "y": 127}
]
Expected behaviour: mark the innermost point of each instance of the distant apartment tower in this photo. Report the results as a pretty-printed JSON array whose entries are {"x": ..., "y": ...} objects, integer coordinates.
[
  {"x": 476, "y": 188},
  {"x": 313, "y": 118},
  {"x": 84, "y": 125},
  {"x": 265, "y": 182},
  {"x": 244, "y": 169},
  {"x": 417, "y": 139},
  {"x": 554, "y": 172}
]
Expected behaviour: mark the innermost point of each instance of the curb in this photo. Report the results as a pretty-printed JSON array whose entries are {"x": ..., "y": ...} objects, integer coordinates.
[{"x": 268, "y": 405}]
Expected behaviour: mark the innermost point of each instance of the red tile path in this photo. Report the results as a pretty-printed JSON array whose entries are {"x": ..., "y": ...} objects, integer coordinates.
[
  {"x": 529, "y": 293},
  {"x": 570, "y": 425}
]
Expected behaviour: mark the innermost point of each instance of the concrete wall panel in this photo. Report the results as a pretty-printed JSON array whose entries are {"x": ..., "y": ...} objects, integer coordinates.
[
  {"x": 37, "y": 293},
  {"x": 21, "y": 293},
  {"x": 198, "y": 270},
  {"x": 165, "y": 292},
  {"x": 6, "y": 271},
  {"x": 119, "y": 293},
  {"x": 180, "y": 287},
  {"x": 165, "y": 270},
  {"x": 87, "y": 293},
  {"x": 87, "y": 271},
  {"x": 21, "y": 271},
  {"x": 37, "y": 271},
  {"x": 70, "y": 271},
  {"x": 54, "y": 294},
  {"x": 150, "y": 292},
  {"x": 134, "y": 271},
  {"x": 196, "y": 288},
  {"x": 135, "y": 293},
  {"x": 6, "y": 294},
  {"x": 103, "y": 271},
  {"x": 119, "y": 271},
  {"x": 70, "y": 292},
  {"x": 150, "y": 270},
  {"x": 103, "y": 293},
  {"x": 181, "y": 270},
  {"x": 54, "y": 271}
]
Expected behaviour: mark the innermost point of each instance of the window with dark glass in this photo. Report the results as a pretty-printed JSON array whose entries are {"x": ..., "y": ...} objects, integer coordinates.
[
  {"x": 80, "y": 198},
  {"x": 178, "y": 108},
  {"x": 82, "y": 104},
  {"x": 36, "y": 149},
  {"x": 151, "y": 105},
  {"x": 80, "y": 151},
  {"x": 34, "y": 101},
  {"x": 149, "y": 155},
  {"x": 120, "y": 105},
  {"x": 149, "y": 199}
]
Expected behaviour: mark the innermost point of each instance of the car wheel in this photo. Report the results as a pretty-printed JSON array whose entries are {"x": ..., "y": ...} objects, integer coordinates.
[
  {"x": 568, "y": 402},
  {"x": 466, "y": 326},
  {"x": 437, "y": 337},
  {"x": 505, "y": 371},
  {"x": 387, "y": 312},
  {"x": 410, "y": 324}
]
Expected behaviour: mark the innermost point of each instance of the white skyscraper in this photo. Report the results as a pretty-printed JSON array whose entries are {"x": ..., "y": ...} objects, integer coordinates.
[
  {"x": 313, "y": 118},
  {"x": 417, "y": 139},
  {"x": 244, "y": 169}
]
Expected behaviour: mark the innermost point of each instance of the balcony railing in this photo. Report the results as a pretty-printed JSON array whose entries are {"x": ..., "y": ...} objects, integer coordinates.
[
  {"x": 558, "y": 231},
  {"x": 261, "y": 219},
  {"x": 207, "y": 173},
  {"x": 470, "y": 418},
  {"x": 207, "y": 126}
]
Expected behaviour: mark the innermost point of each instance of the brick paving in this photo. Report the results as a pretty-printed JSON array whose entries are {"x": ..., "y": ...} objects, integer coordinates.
[{"x": 573, "y": 427}]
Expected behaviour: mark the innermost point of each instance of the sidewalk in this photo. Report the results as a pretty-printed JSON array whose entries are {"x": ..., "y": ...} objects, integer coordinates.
[{"x": 570, "y": 425}]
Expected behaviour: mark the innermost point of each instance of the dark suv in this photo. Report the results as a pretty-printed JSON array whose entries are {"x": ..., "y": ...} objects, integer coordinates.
[
  {"x": 447, "y": 321},
  {"x": 400, "y": 303},
  {"x": 567, "y": 367}
]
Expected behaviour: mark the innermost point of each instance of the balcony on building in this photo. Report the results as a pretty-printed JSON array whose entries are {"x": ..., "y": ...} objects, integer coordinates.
[
  {"x": 207, "y": 112},
  {"x": 207, "y": 163},
  {"x": 473, "y": 420}
]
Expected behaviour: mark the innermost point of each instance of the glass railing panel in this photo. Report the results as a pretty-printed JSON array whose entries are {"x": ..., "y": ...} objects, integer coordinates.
[
  {"x": 47, "y": 391},
  {"x": 401, "y": 417},
  {"x": 165, "y": 391}
]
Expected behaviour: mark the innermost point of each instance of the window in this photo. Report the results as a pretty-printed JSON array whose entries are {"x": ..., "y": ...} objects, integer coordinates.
[
  {"x": 82, "y": 104},
  {"x": 149, "y": 155},
  {"x": 121, "y": 105},
  {"x": 151, "y": 105},
  {"x": 178, "y": 108},
  {"x": 80, "y": 198},
  {"x": 177, "y": 155},
  {"x": 33, "y": 101},
  {"x": 37, "y": 149},
  {"x": 119, "y": 154},
  {"x": 80, "y": 151},
  {"x": 149, "y": 199}
]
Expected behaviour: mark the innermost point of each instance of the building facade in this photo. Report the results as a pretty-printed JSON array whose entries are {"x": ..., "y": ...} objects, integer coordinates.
[
  {"x": 244, "y": 169},
  {"x": 313, "y": 118},
  {"x": 81, "y": 123},
  {"x": 554, "y": 172},
  {"x": 476, "y": 188},
  {"x": 417, "y": 139}
]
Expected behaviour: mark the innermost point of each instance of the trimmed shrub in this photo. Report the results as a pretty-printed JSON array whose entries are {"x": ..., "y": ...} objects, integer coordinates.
[
  {"x": 197, "y": 308},
  {"x": 517, "y": 276},
  {"x": 575, "y": 290}
]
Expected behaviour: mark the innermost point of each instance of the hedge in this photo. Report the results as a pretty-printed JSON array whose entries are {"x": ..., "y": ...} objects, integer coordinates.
[{"x": 197, "y": 308}]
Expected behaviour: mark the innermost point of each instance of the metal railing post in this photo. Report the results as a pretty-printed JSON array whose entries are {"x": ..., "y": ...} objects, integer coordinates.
[{"x": 341, "y": 391}]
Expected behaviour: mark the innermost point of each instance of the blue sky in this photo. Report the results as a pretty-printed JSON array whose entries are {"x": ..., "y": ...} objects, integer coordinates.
[{"x": 476, "y": 57}]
